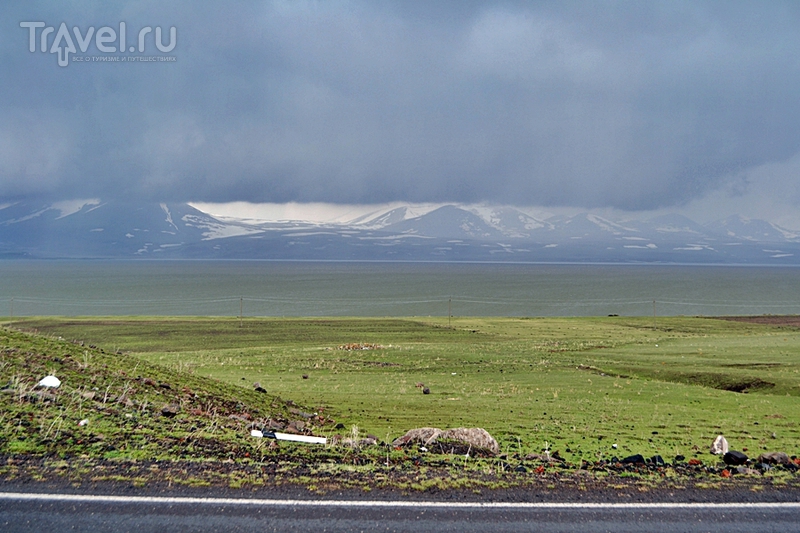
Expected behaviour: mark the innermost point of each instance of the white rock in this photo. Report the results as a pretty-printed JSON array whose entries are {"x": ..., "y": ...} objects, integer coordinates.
[
  {"x": 50, "y": 382},
  {"x": 83, "y": 422},
  {"x": 256, "y": 433},
  {"x": 719, "y": 446}
]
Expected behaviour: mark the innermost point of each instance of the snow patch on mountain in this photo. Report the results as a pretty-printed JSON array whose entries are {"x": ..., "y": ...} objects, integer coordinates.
[
  {"x": 169, "y": 215},
  {"x": 509, "y": 221},
  {"x": 216, "y": 229},
  {"x": 70, "y": 207},
  {"x": 607, "y": 225},
  {"x": 393, "y": 214}
]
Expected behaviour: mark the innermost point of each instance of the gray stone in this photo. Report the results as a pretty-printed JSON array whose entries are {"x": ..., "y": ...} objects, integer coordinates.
[
  {"x": 774, "y": 458},
  {"x": 477, "y": 438},
  {"x": 719, "y": 446},
  {"x": 418, "y": 435}
]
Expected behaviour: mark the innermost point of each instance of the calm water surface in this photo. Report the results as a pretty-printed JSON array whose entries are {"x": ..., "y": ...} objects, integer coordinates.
[{"x": 390, "y": 289}]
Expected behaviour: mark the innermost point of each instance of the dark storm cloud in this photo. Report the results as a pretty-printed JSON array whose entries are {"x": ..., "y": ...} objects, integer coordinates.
[{"x": 633, "y": 105}]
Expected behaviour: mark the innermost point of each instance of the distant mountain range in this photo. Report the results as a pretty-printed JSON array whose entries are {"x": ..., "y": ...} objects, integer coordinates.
[{"x": 113, "y": 229}]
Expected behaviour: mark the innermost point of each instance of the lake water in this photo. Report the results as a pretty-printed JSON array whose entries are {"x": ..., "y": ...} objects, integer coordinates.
[{"x": 268, "y": 288}]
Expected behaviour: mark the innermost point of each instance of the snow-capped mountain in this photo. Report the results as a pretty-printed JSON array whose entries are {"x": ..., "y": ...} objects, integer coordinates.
[
  {"x": 114, "y": 229},
  {"x": 754, "y": 230},
  {"x": 447, "y": 222},
  {"x": 93, "y": 228}
]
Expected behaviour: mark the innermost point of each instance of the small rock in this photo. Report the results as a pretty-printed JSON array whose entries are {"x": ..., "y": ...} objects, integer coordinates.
[
  {"x": 305, "y": 376},
  {"x": 274, "y": 425},
  {"x": 657, "y": 460},
  {"x": 743, "y": 470},
  {"x": 83, "y": 422},
  {"x": 298, "y": 412},
  {"x": 150, "y": 382},
  {"x": 258, "y": 388},
  {"x": 719, "y": 446},
  {"x": 50, "y": 382},
  {"x": 734, "y": 458},
  {"x": 296, "y": 426},
  {"x": 426, "y": 390},
  {"x": 170, "y": 410},
  {"x": 679, "y": 458},
  {"x": 774, "y": 458}
]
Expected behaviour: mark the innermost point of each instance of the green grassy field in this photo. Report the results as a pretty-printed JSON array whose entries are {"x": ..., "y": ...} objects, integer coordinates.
[{"x": 576, "y": 385}]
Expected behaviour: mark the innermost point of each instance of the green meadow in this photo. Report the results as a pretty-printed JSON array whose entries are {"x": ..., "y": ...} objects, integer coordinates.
[{"x": 589, "y": 388}]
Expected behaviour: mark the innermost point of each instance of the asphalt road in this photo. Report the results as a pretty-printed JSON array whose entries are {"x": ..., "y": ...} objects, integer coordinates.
[{"x": 71, "y": 512}]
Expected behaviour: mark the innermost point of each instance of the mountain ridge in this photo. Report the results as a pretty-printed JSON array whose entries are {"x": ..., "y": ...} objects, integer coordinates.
[{"x": 448, "y": 232}]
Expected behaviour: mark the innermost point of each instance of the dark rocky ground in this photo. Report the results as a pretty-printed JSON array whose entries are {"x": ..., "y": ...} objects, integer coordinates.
[{"x": 284, "y": 479}]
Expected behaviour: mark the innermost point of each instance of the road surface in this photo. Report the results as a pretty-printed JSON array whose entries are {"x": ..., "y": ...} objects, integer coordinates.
[{"x": 140, "y": 514}]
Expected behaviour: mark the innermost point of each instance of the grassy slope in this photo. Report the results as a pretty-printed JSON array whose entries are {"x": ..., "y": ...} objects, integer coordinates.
[
  {"x": 121, "y": 398},
  {"x": 533, "y": 383}
]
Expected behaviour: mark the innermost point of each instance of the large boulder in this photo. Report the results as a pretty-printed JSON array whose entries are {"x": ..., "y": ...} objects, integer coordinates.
[
  {"x": 424, "y": 436},
  {"x": 774, "y": 458},
  {"x": 476, "y": 438}
]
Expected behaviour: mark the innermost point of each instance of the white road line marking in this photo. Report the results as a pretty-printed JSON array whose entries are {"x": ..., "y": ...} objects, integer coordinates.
[{"x": 89, "y": 498}]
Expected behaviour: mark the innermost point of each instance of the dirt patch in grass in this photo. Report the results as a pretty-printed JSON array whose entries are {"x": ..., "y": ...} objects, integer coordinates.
[
  {"x": 717, "y": 380},
  {"x": 792, "y": 321}
]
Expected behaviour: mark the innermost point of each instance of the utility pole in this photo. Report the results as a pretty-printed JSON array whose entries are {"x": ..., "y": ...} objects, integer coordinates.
[
  {"x": 12, "y": 307},
  {"x": 654, "y": 314},
  {"x": 449, "y": 310},
  {"x": 241, "y": 310}
]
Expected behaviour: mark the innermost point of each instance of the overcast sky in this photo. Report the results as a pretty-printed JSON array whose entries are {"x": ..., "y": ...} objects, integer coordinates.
[{"x": 634, "y": 106}]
